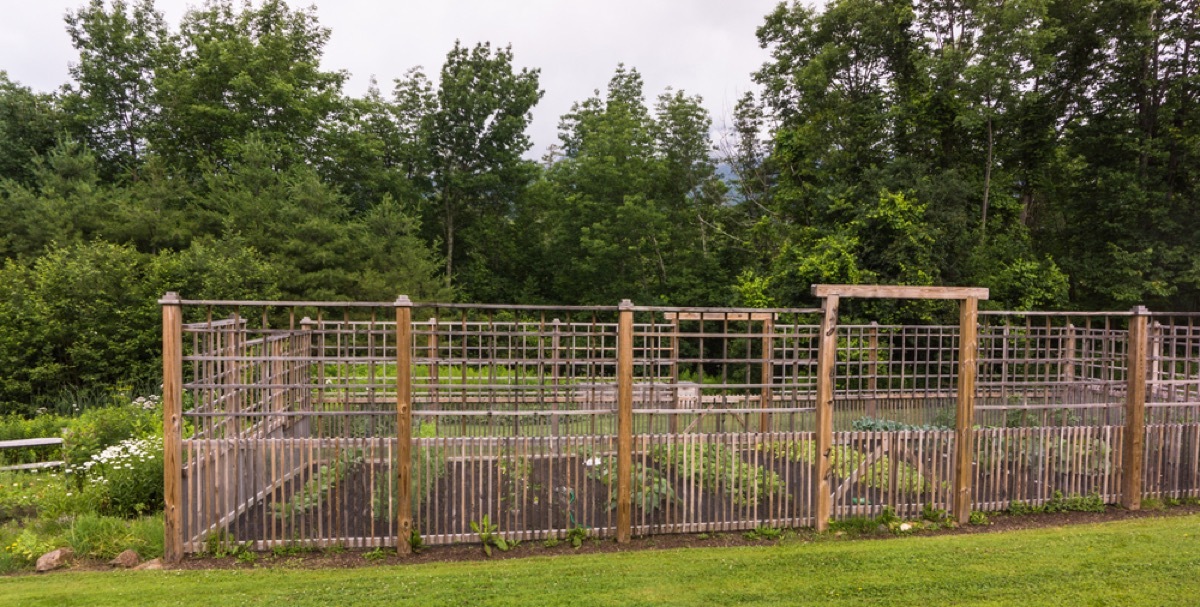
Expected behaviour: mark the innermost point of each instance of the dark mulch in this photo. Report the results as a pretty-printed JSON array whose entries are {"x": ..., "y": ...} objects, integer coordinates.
[{"x": 346, "y": 559}]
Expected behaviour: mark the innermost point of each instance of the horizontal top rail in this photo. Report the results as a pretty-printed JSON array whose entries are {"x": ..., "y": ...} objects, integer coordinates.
[
  {"x": 900, "y": 292},
  {"x": 29, "y": 442},
  {"x": 1121, "y": 314}
]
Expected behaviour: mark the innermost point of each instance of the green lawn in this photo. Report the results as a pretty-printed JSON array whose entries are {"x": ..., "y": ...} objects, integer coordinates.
[{"x": 1143, "y": 562}]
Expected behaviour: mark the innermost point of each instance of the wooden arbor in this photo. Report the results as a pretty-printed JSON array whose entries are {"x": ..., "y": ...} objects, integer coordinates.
[{"x": 831, "y": 295}]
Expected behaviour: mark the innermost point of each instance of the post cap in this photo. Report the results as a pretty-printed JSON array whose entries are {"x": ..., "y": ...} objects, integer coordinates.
[
  {"x": 626, "y": 304},
  {"x": 403, "y": 302},
  {"x": 307, "y": 321},
  {"x": 1140, "y": 311},
  {"x": 170, "y": 297}
]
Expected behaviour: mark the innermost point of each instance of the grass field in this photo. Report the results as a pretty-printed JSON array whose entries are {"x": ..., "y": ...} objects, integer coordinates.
[{"x": 1154, "y": 561}]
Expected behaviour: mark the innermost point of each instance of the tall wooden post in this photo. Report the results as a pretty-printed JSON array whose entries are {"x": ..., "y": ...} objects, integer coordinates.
[
  {"x": 555, "y": 344},
  {"x": 172, "y": 399},
  {"x": 624, "y": 421},
  {"x": 673, "y": 422},
  {"x": 826, "y": 357},
  {"x": 964, "y": 433},
  {"x": 1134, "y": 444},
  {"x": 764, "y": 423},
  {"x": 872, "y": 369},
  {"x": 404, "y": 346}
]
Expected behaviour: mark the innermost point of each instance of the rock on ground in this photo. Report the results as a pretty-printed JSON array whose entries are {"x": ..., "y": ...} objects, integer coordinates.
[
  {"x": 54, "y": 559},
  {"x": 127, "y": 559},
  {"x": 155, "y": 565}
]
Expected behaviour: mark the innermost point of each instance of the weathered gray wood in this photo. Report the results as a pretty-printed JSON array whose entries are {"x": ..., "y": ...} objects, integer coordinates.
[
  {"x": 172, "y": 336},
  {"x": 900, "y": 292},
  {"x": 29, "y": 442},
  {"x": 968, "y": 335},
  {"x": 826, "y": 359},
  {"x": 1135, "y": 410}
]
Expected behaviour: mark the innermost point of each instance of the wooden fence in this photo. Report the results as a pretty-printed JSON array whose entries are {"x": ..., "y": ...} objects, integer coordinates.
[{"x": 361, "y": 424}]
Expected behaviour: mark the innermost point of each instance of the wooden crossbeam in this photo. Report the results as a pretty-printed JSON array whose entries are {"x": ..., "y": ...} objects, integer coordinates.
[
  {"x": 730, "y": 316},
  {"x": 900, "y": 292}
]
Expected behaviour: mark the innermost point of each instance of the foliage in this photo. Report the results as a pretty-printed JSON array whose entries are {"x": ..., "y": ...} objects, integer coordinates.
[
  {"x": 1059, "y": 503},
  {"x": 716, "y": 465},
  {"x": 873, "y": 424},
  {"x": 845, "y": 460},
  {"x": 319, "y": 485},
  {"x": 489, "y": 536},
  {"x": 427, "y": 468},
  {"x": 649, "y": 488},
  {"x": 104, "y": 537},
  {"x": 97, "y": 430},
  {"x": 14, "y": 427},
  {"x": 131, "y": 473}
]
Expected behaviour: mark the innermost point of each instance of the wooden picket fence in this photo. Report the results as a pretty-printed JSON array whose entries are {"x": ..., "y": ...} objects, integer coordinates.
[{"x": 368, "y": 424}]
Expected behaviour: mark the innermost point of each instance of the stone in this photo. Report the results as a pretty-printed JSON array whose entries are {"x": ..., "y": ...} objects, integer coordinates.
[
  {"x": 153, "y": 565},
  {"x": 127, "y": 560},
  {"x": 54, "y": 559}
]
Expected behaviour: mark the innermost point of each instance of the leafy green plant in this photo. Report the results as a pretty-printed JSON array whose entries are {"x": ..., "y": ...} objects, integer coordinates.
[
  {"x": 378, "y": 554},
  {"x": 489, "y": 536},
  {"x": 874, "y": 424},
  {"x": 764, "y": 533},
  {"x": 577, "y": 536},
  {"x": 978, "y": 518},
  {"x": 716, "y": 465},
  {"x": 131, "y": 474},
  {"x": 314, "y": 490},
  {"x": 845, "y": 460},
  {"x": 649, "y": 488},
  {"x": 428, "y": 466},
  {"x": 27, "y": 547},
  {"x": 415, "y": 542},
  {"x": 98, "y": 429},
  {"x": 932, "y": 515}
]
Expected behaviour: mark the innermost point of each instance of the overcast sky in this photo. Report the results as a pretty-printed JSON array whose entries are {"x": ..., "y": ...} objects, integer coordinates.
[{"x": 704, "y": 47}]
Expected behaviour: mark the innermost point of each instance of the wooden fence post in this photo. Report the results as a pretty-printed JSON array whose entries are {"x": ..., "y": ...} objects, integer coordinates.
[
  {"x": 624, "y": 421},
  {"x": 404, "y": 345},
  {"x": 172, "y": 399},
  {"x": 826, "y": 357},
  {"x": 964, "y": 433},
  {"x": 764, "y": 423},
  {"x": 1134, "y": 443},
  {"x": 873, "y": 369}
]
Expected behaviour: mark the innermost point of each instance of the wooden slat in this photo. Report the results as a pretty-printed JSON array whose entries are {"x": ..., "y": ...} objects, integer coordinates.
[
  {"x": 900, "y": 292},
  {"x": 34, "y": 466},
  {"x": 29, "y": 442}
]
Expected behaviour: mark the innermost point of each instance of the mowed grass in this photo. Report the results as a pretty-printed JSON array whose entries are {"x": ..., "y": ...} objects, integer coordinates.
[{"x": 1138, "y": 562}]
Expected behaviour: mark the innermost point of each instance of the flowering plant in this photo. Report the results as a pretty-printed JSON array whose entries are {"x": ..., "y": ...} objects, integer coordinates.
[{"x": 132, "y": 473}]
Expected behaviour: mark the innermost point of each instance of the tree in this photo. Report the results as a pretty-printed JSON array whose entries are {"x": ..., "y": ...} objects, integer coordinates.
[
  {"x": 29, "y": 127},
  {"x": 474, "y": 126},
  {"x": 112, "y": 102},
  {"x": 237, "y": 73}
]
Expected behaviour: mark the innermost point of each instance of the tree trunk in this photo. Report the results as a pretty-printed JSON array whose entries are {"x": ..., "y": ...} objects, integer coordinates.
[{"x": 987, "y": 175}]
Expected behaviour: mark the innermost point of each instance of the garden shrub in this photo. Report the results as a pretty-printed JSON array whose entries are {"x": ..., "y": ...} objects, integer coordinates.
[
  {"x": 99, "y": 429},
  {"x": 131, "y": 473},
  {"x": 16, "y": 427}
]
